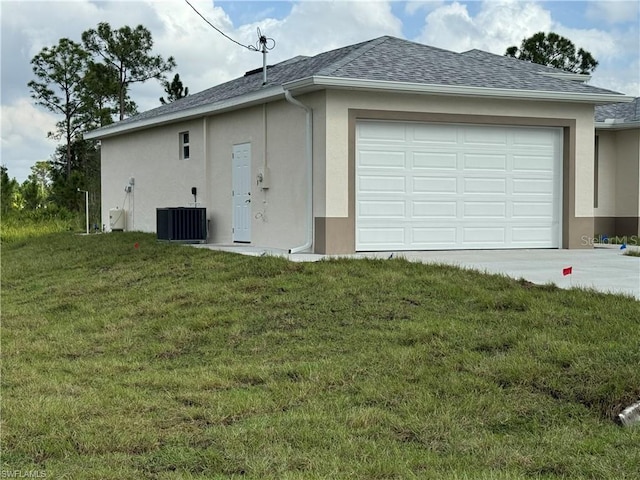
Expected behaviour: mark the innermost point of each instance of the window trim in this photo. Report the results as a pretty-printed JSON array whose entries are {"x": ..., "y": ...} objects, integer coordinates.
[{"x": 185, "y": 150}]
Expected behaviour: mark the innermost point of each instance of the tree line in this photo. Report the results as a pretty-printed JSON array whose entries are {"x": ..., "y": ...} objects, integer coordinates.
[{"x": 86, "y": 85}]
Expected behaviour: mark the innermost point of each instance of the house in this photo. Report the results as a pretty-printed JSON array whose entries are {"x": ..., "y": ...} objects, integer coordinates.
[
  {"x": 382, "y": 145},
  {"x": 617, "y": 170}
]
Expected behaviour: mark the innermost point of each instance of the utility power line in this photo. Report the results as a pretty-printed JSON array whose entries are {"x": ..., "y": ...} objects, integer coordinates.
[{"x": 248, "y": 47}]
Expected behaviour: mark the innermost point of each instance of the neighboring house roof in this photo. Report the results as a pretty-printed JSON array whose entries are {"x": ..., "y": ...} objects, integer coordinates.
[
  {"x": 618, "y": 115},
  {"x": 385, "y": 63}
]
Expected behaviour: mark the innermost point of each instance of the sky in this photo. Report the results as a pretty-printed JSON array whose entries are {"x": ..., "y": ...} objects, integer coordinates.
[{"x": 609, "y": 29}]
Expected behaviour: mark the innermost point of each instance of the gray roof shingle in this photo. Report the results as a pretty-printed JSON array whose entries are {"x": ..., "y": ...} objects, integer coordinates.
[
  {"x": 623, "y": 112},
  {"x": 390, "y": 59}
]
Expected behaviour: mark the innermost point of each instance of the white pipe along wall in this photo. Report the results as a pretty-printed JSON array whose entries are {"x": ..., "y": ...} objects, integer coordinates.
[{"x": 309, "y": 154}]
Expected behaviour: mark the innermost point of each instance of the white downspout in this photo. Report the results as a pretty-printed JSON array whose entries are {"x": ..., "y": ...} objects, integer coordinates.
[{"x": 309, "y": 154}]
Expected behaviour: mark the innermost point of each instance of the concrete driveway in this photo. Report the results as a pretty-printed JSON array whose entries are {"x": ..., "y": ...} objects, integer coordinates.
[{"x": 604, "y": 269}]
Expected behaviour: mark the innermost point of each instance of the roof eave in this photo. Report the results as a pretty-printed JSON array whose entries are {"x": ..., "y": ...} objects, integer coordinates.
[
  {"x": 617, "y": 125},
  {"x": 318, "y": 82},
  {"x": 241, "y": 101}
]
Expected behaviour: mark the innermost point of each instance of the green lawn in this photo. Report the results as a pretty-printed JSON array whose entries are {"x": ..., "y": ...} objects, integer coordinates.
[{"x": 170, "y": 362}]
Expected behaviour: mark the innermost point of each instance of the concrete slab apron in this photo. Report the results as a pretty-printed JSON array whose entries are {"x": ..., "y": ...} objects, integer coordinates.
[{"x": 604, "y": 269}]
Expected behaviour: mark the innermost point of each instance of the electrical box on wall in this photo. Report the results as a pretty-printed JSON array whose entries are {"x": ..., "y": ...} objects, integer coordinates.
[{"x": 262, "y": 179}]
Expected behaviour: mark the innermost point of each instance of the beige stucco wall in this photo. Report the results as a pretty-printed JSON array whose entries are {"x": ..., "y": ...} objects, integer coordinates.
[
  {"x": 277, "y": 212},
  {"x": 162, "y": 180},
  {"x": 151, "y": 157},
  {"x": 607, "y": 168},
  {"x": 628, "y": 174},
  {"x": 618, "y": 173},
  {"x": 339, "y": 101}
]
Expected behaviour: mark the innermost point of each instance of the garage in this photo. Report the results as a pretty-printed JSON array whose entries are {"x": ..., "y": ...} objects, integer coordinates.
[{"x": 422, "y": 186}]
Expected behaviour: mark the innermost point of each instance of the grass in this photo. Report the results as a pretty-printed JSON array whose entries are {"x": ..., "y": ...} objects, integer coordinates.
[
  {"x": 169, "y": 362},
  {"x": 19, "y": 226}
]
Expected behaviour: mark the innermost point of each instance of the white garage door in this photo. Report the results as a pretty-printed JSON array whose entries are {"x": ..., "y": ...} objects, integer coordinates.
[{"x": 431, "y": 187}]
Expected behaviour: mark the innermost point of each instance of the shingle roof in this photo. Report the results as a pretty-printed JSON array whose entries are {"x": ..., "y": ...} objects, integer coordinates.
[
  {"x": 509, "y": 62},
  {"x": 622, "y": 112},
  {"x": 389, "y": 59}
]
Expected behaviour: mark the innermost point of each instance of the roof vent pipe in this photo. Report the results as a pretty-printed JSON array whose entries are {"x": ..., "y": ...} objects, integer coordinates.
[{"x": 309, "y": 154}]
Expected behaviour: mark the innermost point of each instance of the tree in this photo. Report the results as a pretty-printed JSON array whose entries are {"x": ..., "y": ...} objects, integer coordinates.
[
  {"x": 85, "y": 158},
  {"x": 59, "y": 88},
  {"x": 127, "y": 52},
  {"x": 175, "y": 90},
  {"x": 101, "y": 95},
  {"x": 555, "y": 51},
  {"x": 8, "y": 188}
]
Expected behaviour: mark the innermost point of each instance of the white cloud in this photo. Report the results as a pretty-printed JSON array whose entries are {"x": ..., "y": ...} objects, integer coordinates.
[
  {"x": 314, "y": 27},
  {"x": 600, "y": 43},
  {"x": 614, "y": 11},
  {"x": 498, "y": 25},
  {"x": 414, "y": 6},
  {"x": 24, "y": 136}
]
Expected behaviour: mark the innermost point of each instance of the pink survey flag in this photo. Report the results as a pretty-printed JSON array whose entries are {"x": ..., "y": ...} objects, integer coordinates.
[{"x": 567, "y": 271}]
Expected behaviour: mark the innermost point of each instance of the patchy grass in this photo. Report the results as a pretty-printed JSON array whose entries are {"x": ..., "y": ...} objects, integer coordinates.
[
  {"x": 20, "y": 226},
  {"x": 170, "y": 362}
]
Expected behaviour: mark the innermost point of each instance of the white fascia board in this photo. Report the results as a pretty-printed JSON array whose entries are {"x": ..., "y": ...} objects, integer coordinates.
[
  {"x": 318, "y": 82},
  {"x": 240, "y": 101},
  {"x": 617, "y": 125}
]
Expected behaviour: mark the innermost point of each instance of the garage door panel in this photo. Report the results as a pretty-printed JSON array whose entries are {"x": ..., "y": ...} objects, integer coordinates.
[
  {"x": 390, "y": 209},
  {"x": 484, "y": 235},
  {"x": 375, "y": 132},
  {"x": 485, "y": 185},
  {"x": 435, "y": 160},
  {"x": 484, "y": 162},
  {"x": 434, "y": 236},
  {"x": 530, "y": 186},
  {"x": 434, "y": 134},
  {"x": 479, "y": 136},
  {"x": 382, "y": 159},
  {"x": 384, "y": 184},
  {"x": 533, "y": 163},
  {"x": 434, "y": 209},
  {"x": 532, "y": 210},
  {"x": 382, "y": 238},
  {"x": 443, "y": 184},
  {"x": 534, "y": 138},
  {"x": 485, "y": 210},
  {"x": 530, "y": 234},
  {"x": 457, "y": 187}
]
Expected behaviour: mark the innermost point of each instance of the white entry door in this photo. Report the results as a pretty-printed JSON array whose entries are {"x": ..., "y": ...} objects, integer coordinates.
[
  {"x": 437, "y": 187},
  {"x": 241, "y": 184}
]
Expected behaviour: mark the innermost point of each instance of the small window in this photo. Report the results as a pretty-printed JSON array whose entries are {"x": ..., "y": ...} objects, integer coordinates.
[{"x": 184, "y": 145}]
